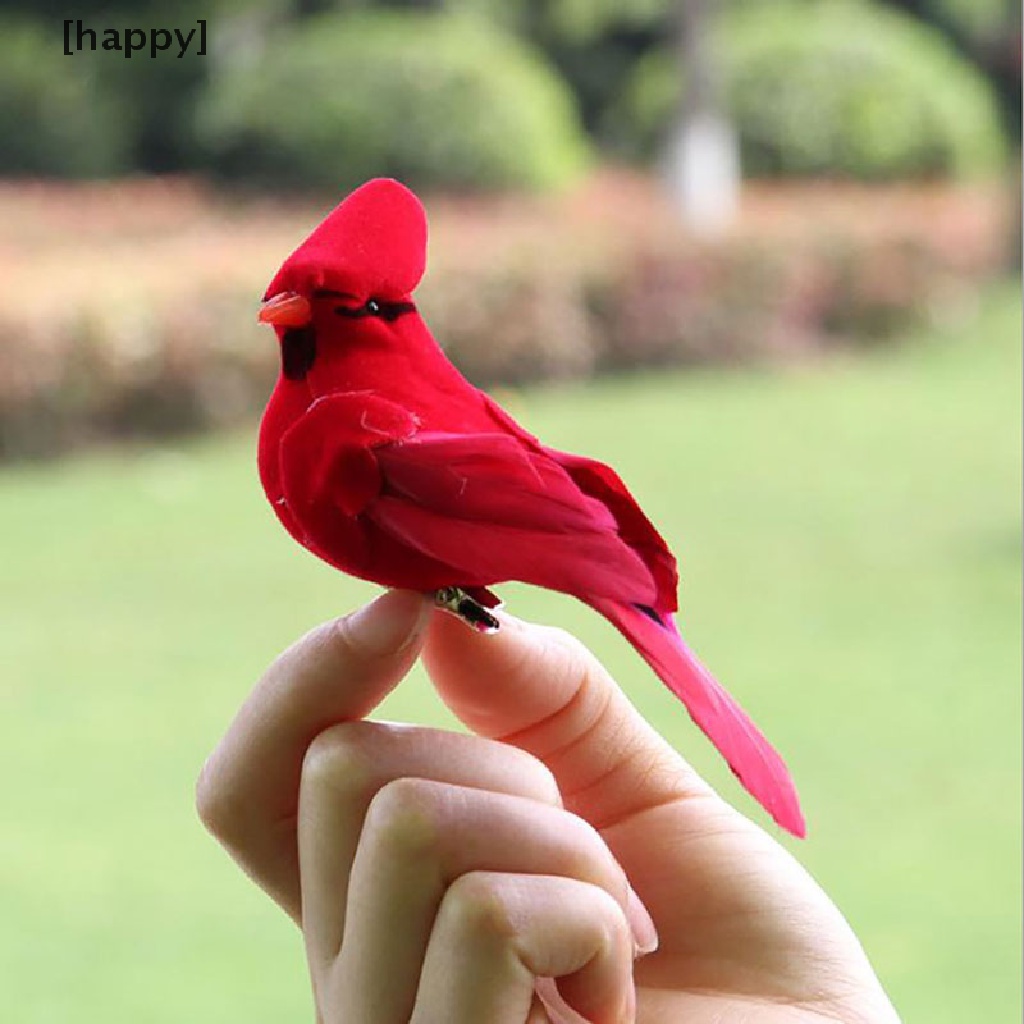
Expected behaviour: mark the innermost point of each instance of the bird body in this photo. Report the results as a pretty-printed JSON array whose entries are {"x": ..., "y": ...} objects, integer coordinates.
[{"x": 379, "y": 457}]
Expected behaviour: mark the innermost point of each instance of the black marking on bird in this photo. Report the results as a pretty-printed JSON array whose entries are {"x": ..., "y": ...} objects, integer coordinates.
[
  {"x": 649, "y": 612},
  {"x": 386, "y": 311},
  {"x": 298, "y": 352}
]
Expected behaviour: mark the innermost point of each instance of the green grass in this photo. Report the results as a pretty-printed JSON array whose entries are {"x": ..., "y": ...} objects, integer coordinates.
[{"x": 849, "y": 540}]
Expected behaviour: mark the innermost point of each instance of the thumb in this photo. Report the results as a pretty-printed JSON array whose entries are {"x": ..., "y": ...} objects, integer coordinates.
[{"x": 540, "y": 689}]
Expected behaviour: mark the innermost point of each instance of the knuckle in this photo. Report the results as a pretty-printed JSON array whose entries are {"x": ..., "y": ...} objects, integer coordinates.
[
  {"x": 218, "y": 808},
  {"x": 589, "y": 696},
  {"x": 608, "y": 924},
  {"x": 476, "y": 910},
  {"x": 338, "y": 760},
  {"x": 205, "y": 797},
  {"x": 337, "y": 634},
  {"x": 524, "y": 774},
  {"x": 592, "y": 860},
  {"x": 615, "y": 932},
  {"x": 547, "y": 784},
  {"x": 405, "y": 816}
]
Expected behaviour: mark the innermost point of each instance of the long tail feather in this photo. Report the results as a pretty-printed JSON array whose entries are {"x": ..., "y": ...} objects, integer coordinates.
[{"x": 751, "y": 757}]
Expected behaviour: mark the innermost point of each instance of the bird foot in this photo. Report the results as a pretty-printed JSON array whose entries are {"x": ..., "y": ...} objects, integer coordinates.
[{"x": 457, "y": 602}]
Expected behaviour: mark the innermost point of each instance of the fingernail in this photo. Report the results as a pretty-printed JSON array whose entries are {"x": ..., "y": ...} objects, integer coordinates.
[
  {"x": 557, "y": 1009},
  {"x": 629, "y": 1013},
  {"x": 388, "y": 624},
  {"x": 645, "y": 935}
]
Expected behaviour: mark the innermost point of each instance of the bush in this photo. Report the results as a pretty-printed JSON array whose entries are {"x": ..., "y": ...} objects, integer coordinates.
[
  {"x": 511, "y": 323},
  {"x": 835, "y": 88},
  {"x": 155, "y": 332},
  {"x": 428, "y": 98},
  {"x": 54, "y": 118},
  {"x": 106, "y": 371},
  {"x": 675, "y": 304}
]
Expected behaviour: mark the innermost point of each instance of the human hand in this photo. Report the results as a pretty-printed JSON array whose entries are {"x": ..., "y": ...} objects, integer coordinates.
[{"x": 436, "y": 875}]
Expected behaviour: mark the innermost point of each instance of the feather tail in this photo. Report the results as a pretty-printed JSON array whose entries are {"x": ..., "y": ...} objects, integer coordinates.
[{"x": 750, "y": 756}]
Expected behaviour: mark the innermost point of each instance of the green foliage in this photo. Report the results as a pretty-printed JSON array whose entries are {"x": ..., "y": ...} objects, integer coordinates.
[
  {"x": 432, "y": 99},
  {"x": 834, "y": 88},
  {"x": 866, "y": 93},
  {"x": 569, "y": 21},
  {"x": 54, "y": 117},
  {"x": 157, "y": 96},
  {"x": 593, "y": 43},
  {"x": 120, "y": 12},
  {"x": 976, "y": 19}
]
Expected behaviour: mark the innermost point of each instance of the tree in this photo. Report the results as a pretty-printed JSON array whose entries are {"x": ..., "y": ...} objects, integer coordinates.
[{"x": 702, "y": 162}]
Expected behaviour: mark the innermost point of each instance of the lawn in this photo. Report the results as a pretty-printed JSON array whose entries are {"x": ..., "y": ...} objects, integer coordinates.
[{"x": 849, "y": 540}]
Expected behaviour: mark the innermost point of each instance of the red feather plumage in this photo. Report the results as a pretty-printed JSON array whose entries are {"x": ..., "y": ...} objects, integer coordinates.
[{"x": 380, "y": 458}]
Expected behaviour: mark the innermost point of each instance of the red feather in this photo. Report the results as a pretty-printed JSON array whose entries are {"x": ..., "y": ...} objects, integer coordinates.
[
  {"x": 751, "y": 757},
  {"x": 380, "y": 458},
  {"x": 492, "y": 511},
  {"x": 376, "y": 240}
]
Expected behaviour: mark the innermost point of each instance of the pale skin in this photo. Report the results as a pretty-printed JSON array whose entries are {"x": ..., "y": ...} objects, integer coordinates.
[{"x": 436, "y": 876}]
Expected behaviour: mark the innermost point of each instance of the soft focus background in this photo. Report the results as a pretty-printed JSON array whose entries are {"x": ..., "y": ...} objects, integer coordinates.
[{"x": 761, "y": 256}]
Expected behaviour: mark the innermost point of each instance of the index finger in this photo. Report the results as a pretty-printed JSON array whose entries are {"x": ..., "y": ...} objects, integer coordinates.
[{"x": 248, "y": 792}]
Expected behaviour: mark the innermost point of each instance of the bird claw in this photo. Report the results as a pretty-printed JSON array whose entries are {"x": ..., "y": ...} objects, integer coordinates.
[{"x": 457, "y": 602}]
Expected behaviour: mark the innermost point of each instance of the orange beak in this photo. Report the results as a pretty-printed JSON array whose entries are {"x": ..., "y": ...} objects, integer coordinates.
[{"x": 286, "y": 309}]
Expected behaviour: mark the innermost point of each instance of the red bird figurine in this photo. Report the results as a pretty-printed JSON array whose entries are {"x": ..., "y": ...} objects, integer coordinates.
[{"x": 382, "y": 459}]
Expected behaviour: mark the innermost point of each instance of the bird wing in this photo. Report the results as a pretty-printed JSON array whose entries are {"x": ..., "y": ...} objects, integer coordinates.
[
  {"x": 329, "y": 473},
  {"x": 494, "y": 510},
  {"x": 602, "y": 483}
]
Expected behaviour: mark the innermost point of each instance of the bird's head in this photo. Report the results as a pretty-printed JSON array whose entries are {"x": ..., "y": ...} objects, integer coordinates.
[{"x": 352, "y": 279}]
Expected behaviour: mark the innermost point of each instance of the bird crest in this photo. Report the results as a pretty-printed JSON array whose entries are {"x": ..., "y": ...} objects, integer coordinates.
[{"x": 372, "y": 243}]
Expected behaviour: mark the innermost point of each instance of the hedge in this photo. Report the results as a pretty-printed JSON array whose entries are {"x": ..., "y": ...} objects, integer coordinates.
[{"x": 518, "y": 292}]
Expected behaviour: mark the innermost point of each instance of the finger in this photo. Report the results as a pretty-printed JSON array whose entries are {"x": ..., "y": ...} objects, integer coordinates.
[
  {"x": 343, "y": 770},
  {"x": 538, "y": 1014},
  {"x": 418, "y": 838},
  {"x": 545, "y": 692},
  {"x": 554, "y": 1007},
  {"x": 496, "y": 933},
  {"x": 248, "y": 792}
]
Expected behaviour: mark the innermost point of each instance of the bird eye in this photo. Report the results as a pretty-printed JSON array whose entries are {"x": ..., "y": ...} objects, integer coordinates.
[{"x": 387, "y": 311}]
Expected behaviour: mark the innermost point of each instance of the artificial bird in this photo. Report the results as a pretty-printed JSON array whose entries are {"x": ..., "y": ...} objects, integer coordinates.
[{"x": 379, "y": 457}]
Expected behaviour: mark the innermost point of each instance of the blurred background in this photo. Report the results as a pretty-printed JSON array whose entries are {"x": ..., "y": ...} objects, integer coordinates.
[{"x": 761, "y": 255}]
